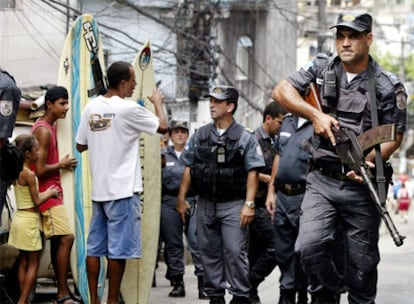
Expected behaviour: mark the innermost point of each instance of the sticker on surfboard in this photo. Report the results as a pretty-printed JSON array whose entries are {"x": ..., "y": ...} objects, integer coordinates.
[{"x": 144, "y": 61}]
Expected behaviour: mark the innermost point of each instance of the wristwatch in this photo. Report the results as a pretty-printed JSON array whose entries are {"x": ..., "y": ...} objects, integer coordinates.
[{"x": 250, "y": 204}]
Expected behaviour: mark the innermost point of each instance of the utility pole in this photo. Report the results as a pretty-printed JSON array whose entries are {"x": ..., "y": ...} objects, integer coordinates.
[
  {"x": 321, "y": 25},
  {"x": 194, "y": 55},
  {"x": 402, "y": 63}
]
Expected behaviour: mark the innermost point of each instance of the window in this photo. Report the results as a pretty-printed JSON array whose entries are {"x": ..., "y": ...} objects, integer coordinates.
[
  {"x": 244, "y": 45},
  {"x": 7, "y": 4}
]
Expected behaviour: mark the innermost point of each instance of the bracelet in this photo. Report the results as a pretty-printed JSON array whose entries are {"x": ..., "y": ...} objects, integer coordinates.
[{"x": 250, "y": 204}]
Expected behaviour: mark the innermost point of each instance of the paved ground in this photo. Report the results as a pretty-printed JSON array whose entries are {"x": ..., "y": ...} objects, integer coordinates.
[{"x": 395, "y": 286}]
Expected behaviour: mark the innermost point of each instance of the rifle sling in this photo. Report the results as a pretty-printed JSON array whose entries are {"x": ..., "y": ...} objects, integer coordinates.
[{"x": 379, "y": 164}]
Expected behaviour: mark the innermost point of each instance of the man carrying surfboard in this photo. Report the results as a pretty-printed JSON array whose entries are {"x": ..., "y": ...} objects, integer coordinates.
[{"x": 110, "y": 128}]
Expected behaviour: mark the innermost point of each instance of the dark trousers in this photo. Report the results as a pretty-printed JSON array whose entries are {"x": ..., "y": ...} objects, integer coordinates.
[
  {"x": 328, "y": 202},
  {"x": 286, "y": 225},
  {"x": 3, "y": 192},
  {"x": 261, "y": 247}
]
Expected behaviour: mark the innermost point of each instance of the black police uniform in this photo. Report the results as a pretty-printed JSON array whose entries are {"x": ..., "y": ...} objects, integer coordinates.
[
  {"x": 9, "y": 104},
  {"x": 290, "y": 183},
  {"x": 219, "y": 164},
  {"x": 261, "y": 232},
  {"x": 171, "y": 225},
  {"x": 330, "y": 197}
]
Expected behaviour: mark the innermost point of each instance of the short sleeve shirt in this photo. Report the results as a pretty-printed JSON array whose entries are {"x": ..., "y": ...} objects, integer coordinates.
[
  {"x": 111, "y": 128},
  {"x": 390, "y": 92},
  {"x": 9, "y": 104}
]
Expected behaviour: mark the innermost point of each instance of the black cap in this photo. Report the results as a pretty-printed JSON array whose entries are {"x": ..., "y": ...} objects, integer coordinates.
[
  {"x": 222, "y": 92},
  {"x": 55, "y": 93},
  {"x": 360, "y": 22},
  {"x": 177, "y": 124}
]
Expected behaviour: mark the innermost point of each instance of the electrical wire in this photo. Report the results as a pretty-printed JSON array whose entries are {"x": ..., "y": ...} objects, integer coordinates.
[{"x": 55, "y": 58}]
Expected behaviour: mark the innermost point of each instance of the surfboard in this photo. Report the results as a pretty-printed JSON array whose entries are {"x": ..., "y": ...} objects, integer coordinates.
[
  {"x": 137, "y": 280},
  {"x": 82, "y": 47}
]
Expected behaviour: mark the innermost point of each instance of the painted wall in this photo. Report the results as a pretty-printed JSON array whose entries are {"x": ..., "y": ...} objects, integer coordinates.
[{"x": 32, "y": 37}]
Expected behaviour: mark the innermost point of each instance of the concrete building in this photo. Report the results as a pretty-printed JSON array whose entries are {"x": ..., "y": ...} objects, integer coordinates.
[{"x": 248, "y": 44}]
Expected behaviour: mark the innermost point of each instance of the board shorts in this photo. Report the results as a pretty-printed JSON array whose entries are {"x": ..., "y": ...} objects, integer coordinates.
[
  {"x": 115, "y": 229},
  {"x": 55, "y": 222},
  {"x": 25, "y": 231}
]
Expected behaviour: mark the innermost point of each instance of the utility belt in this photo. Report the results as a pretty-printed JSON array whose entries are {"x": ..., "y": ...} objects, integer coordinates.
[
  {"x": 333, "y": 170},
  {"x": 224, "y": 198},
  {"x": 291, "y": 189}
]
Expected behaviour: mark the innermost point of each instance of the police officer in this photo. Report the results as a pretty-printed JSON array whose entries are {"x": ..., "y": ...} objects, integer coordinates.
[
  {"x": 261, "y": 235},
  {"x": 334, "y": 193},
  {"x": 172, "y": 227},
  {"x": 289, "y": 176},
  {"x": 9, "y": 104},
  {"x": 221, "y": 160}
]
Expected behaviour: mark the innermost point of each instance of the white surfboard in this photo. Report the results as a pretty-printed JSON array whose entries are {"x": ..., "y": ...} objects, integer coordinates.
[{"x": 82, "y": 45}]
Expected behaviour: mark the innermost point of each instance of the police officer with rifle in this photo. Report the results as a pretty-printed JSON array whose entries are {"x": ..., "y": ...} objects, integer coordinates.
[{"x": 357, "y": 95}]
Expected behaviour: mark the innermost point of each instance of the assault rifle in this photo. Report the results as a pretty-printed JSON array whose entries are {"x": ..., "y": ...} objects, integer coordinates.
[{"x": 350, "y": 150}]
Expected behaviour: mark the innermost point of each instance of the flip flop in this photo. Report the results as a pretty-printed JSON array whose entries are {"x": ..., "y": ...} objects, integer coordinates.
[
  {"x": 62, "y": 300},
  {"x": 75, "y": 297}
]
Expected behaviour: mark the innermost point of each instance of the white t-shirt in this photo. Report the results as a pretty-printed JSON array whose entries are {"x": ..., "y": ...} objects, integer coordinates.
[{"x": 111, "y": 127}]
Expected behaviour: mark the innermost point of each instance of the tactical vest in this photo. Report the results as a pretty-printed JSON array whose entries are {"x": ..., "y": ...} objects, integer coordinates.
[
  {"x": 350, "y": 108},
  {"x": 218, "y": 173},
  {"x": 268, "y": 155},
  {"x": 171, "y": 172}
]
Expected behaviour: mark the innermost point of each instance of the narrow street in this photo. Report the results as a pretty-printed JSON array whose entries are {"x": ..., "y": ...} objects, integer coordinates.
[{"x": 396, "y": 276}]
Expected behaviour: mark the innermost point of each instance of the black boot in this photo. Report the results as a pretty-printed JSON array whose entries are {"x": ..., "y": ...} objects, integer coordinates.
[
  {"x": 240, "y": 300},
  {"x": 154, "y": 281},
  {"x": 178, "y": 290},
  {"x": 287, "y": 296},
  {"x": 201, "y": 293},
  {"x": 254, "y": 296},
  {"x": 302, "y": 297},
  {"x": 325, "y": 298},
  {"x": 217, "y": 300}
]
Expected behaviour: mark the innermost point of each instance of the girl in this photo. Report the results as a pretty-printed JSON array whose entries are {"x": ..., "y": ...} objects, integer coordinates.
[
  {"x": 25, "y": 228},
  {"x": 404, "y": 198}
]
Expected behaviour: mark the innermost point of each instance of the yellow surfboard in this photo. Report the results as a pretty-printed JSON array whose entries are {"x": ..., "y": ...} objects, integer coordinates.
[
  {"x": 82, "y": 54},
  {"x": 137, "y": 280}
]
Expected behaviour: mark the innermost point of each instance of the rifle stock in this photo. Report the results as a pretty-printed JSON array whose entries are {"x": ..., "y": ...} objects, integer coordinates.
[{"x": 312, "y": 97}]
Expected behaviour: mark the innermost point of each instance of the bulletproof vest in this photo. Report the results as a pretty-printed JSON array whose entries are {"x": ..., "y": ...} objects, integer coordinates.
[
  {"x": 350, "y": 107},
  {"x": 218, "y": 173},
  {"x": 268, "y": 155},
  {"x": 171, "y": 172}
]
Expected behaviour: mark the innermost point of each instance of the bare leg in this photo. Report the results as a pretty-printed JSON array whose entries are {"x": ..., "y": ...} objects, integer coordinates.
[
  {"x": 21, "y": 269},
  {"x": 115, "y": 272},
  {"x": 31, "y": 261},
  {"x": 93, "y": 266},
  {"x": 60, "y": 250}
]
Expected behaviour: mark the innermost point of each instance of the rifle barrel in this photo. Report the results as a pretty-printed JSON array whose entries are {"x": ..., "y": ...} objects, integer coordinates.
[{"x": 396, "y": 236}]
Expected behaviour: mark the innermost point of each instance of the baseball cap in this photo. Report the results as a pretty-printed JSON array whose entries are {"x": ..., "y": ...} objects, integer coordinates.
[
  {"x": 178, "y": 124},
  {"x": 222, "y": 92},
  {"x": 54, "y": 93},
  {"x": 360, "y": 22}
]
